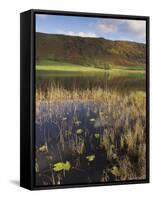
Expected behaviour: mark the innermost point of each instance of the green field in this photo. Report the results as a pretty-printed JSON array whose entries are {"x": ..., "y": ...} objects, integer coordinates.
[{"x": 67, "y": 68}]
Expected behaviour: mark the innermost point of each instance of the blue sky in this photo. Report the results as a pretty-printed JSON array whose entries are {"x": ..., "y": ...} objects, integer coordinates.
[{"x": 114, "y": 29}]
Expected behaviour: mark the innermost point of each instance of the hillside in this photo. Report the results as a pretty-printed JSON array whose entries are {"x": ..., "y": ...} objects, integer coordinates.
[{"x": 88, "y": 51}]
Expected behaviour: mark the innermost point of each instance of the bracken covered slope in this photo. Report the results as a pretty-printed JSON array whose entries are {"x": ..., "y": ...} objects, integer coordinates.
[{"x": 89, "y": 51}]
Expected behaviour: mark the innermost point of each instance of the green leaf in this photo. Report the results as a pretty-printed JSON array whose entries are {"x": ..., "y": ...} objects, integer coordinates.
[
  {"x": 79, "y": 131},
  {"x": 97, "y": 135},
  {"x": 115, "y": 171},
  {"x": 43, "y": 148},
  {"x": 62, "y": 166},
  {"x": 90, "y": 158}
]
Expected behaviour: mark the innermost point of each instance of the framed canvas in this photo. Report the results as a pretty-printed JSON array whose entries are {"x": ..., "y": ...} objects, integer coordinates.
[{"x": 84, "y": 99}]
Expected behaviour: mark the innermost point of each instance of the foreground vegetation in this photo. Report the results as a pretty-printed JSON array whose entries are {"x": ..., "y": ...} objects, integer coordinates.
[{"x": 89, "y": 136}]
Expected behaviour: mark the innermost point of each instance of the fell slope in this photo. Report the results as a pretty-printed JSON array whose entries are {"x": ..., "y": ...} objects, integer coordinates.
[{"x": 88, "y": 51}]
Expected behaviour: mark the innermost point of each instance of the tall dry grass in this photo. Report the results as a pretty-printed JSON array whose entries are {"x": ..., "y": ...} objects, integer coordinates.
[{"x": 122, "y": 139}]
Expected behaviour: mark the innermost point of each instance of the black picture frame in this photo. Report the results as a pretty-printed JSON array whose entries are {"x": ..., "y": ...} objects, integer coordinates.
[{"x": 27, "y": 97}]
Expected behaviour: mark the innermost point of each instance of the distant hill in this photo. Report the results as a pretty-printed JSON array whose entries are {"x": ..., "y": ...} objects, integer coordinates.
[{"x": 88, "y": 51}]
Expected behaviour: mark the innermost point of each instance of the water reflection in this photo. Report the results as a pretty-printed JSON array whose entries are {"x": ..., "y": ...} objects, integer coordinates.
[{"x": 105, "y": 81}]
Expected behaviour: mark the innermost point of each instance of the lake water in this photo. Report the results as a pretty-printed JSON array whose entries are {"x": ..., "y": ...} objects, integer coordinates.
[
  {"x": 109, "y": 81},
  {"x": 122, "y": 84}
]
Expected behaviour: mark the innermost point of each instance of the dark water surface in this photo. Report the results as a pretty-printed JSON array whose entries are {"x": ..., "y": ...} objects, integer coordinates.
[
  {"x": 106, "y": 81},
  {"x": 122, "y": 83},
  {"x": 71, "y": 116}
]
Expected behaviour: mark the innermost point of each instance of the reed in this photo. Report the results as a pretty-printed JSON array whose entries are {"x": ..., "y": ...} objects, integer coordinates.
[{"x": 113, "y": 139}]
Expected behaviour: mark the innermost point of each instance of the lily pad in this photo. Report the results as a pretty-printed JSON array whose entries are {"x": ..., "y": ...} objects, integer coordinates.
[
  {"x": 90, "y": 158},
  {"x": 115, "y": 171},
  {"x": 79, "y": 131},
  {"x": 97, "y": 135},
  {"x": 43, "y": 148},
  {"x": 62, "y": 166}
]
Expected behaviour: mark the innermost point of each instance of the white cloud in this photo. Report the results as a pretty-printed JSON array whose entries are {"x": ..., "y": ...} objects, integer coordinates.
[
  {"x": 134, "y": 30},
  {"x": 80, "y": 34},
  {"x": 138, "y": 27},
  {"x": 109, "y": 25}
]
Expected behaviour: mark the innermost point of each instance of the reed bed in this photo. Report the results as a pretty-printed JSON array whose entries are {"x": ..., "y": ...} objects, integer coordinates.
[{"x": 90, "y": 136}]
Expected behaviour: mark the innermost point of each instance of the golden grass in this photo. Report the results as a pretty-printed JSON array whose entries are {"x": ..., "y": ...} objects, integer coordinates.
[{"x": 123, "y": 137}]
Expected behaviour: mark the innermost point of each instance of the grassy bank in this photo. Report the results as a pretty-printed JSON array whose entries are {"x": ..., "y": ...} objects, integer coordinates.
[{"x": 67, "y": 68}]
